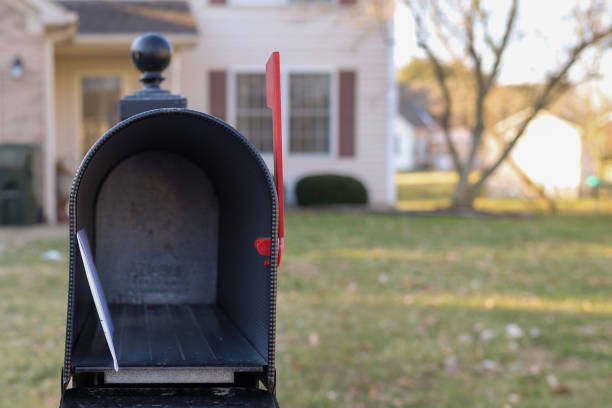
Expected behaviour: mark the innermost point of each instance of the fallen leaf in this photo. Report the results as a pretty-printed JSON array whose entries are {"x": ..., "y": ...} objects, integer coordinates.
[{"x": 514, "y": 331}]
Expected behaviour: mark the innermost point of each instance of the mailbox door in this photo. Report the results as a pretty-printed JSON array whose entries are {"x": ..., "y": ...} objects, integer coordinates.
[{"x": 167, "y": 398}]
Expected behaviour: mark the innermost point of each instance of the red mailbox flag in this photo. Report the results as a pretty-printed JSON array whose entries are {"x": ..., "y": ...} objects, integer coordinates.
[{"x": 273, "y": 88}]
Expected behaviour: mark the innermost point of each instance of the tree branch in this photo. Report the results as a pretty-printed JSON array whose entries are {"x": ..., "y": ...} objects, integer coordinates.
[
  {"x": 484, "y": 86},
  {"x": 543, "y": 100},
  {"x": 471, "y": 47},
  {"x": 478, "y": 129},
  {"x": 441, "y": 24},
  {"x": 442, "y": 81},
  {"x": 498, "y": 51}
]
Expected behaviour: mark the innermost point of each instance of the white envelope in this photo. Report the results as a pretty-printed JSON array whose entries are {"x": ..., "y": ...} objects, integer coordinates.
[{"x": 97, "y": 293}]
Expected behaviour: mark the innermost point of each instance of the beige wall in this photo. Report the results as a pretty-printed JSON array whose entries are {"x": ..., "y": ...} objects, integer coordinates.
[
  {"x": 70, "y": 68},
  {"x": 69, "y": 71},
  {"x": 309, "y": 38}
]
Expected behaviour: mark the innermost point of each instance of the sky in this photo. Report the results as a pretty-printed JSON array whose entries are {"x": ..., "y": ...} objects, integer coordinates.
[{"x": 543, "y": 34}]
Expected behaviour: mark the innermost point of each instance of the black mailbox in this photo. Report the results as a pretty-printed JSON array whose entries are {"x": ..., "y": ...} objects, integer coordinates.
[{"x": 184, "y": 222}]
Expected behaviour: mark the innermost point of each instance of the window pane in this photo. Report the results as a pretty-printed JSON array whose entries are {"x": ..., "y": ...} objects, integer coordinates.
[
  {"x": 100, "y": 107},
  {"x": 310, "y": 104},
  {"x": 253, "y": 118}
]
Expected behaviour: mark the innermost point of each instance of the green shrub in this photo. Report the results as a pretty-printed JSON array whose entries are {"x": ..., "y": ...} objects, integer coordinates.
[{"x": 328, "y": 189}]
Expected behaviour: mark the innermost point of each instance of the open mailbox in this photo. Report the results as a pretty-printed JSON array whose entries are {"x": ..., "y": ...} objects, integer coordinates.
[{"x": 184, "y": 227}]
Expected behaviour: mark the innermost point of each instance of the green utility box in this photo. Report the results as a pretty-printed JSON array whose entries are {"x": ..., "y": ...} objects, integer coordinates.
[{"x": 19, "y": 185}]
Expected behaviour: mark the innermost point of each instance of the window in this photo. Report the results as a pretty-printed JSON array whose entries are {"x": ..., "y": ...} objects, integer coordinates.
[
  {"x": 253, "y": 118},
  {"x": 100, "y": 97},
  {"x": 257, "y": 2},
  {"x": 310, "y": 113},
  {"x": 308, "y": 107},
  {"x": 275, "y": 2}
]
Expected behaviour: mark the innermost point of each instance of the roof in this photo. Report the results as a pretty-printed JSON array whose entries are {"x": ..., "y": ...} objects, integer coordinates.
[
  {"x": 417, "y": 116},
  {"x": 129, "y": 17},
  {"x": 44, "y": 13},
  {"x": 515, "y": 120},
  {"x": 412, "y": 107}
]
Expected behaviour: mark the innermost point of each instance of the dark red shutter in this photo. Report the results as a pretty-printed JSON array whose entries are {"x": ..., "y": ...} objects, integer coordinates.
[
  {"x": 217, "y": 86},
  {"x": 348, "y": 2},
  {"x": 347, "y": 104},
  {"x": 218, "y": 1}
]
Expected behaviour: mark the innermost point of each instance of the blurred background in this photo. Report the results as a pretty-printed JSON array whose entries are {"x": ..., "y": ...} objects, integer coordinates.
[{"x": 448, "y": 168}]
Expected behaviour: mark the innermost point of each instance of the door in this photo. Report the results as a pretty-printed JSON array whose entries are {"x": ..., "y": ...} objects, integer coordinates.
[{"x": 100, "y": 100}]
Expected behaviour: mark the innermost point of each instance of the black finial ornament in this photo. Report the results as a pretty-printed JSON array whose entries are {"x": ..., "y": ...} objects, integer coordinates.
[{"x": 151, "y": 54}]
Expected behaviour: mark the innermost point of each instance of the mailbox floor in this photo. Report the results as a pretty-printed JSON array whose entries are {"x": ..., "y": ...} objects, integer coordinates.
[{"x": 174, "y": 335}]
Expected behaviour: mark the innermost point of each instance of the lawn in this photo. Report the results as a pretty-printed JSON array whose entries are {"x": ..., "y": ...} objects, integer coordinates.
[
  {"x": 432, "y": 190},
  {"x": 388, "y": 311}
]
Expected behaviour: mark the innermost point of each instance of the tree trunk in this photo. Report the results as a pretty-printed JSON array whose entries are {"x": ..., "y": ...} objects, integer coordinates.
[{"x": 464, "y": 195}]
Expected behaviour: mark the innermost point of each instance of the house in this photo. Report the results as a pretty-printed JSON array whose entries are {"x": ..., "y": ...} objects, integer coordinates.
[
  {"x": 439, "y": 154},
  {"x": 411, "y": 137},
  {"x": 74, "y": 61},
  {"x": 419, "y": 140},
  {"x": 550, "y": 153},
  {"x": 404, "y": 141}
]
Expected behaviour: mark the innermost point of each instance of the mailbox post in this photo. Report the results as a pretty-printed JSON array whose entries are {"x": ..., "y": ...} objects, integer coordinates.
[
  {"x": 175, "y": 242},
  {"x": 151, "y": 54}
]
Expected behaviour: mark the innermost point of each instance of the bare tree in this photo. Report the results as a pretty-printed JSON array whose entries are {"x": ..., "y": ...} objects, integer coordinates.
[{"x": 441, "y": 23}]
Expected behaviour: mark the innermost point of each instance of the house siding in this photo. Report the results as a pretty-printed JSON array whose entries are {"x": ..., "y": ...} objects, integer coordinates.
[
  {"x": 319, "y": 38},
  {"x": 232, "y": 38},
  {"x": 22, "y": 108}
]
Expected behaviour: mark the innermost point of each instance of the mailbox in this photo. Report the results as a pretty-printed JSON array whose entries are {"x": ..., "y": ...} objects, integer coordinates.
[{"x": 183, "y": 224}]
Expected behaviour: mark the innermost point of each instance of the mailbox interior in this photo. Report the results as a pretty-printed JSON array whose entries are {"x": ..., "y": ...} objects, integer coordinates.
[{"x": 172, "y": 202}]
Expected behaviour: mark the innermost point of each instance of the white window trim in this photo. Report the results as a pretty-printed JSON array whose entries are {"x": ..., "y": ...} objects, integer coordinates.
[
  {"x": 232, "y": 115},
  {"x": 286, "y": 114},
  {"x": 333, "y": 145}
]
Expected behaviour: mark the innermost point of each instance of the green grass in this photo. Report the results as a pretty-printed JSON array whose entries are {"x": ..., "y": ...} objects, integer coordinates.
[
  {"x": 32, "y": 324},
  {"x": 389, "y": 311},
  {"x": 432, "y": 190}
]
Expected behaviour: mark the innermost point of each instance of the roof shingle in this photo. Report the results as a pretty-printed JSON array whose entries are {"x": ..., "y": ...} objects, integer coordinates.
[{"x": 128, "y": 17}]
